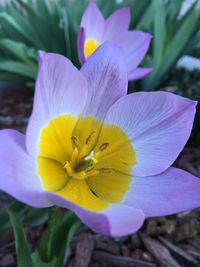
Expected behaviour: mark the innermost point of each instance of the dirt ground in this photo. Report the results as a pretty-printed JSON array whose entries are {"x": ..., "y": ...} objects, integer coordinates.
[{"x": 165, "y": 241}]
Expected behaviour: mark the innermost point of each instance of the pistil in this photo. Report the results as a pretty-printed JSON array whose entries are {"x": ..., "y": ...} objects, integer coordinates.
[{"x": 82, "y": 163}]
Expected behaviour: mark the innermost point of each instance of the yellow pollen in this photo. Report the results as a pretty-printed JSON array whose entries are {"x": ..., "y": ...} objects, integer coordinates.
[
  {"x": 85, "y": 161},
  {"x": 90, "y": 46}
]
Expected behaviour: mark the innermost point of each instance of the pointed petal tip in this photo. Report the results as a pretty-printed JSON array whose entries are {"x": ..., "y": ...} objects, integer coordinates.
[
  {"x": 93, "y": 22},
  {"x": 41, "y": 55},
  {"x": 126, "y": 11},
  {"x": 139, "y": 73},
  {"x": 92, "y": 6}
]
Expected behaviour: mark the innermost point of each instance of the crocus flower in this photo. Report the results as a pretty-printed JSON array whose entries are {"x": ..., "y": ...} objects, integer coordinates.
[
  {"x": 95, "y": 30},
  {"x": 93, "y": 149}
]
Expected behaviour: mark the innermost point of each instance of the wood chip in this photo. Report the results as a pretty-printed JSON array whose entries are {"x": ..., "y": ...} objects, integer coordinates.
[
  {"x": 83, "y": 250},
  {"x": 120, "y": 261},
  {"x": 108, "y": 246},
  {"x": 160, "y": 252},
  {"x": 184, "y": 254},
  {"x": 192, "y": 250},
  {"x": 195, "y": 242}
]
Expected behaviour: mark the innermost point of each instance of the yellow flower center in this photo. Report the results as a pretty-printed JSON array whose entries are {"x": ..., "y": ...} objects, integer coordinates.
[
  {"x": 85, "y": 161},
  {"x": 90, "y": 46}
]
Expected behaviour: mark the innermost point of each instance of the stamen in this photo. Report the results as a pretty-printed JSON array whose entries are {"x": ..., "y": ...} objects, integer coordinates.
[
  {"x": 89, "y": 138},
  {"x": 74, "y": 156},
  {"x": 68, "y": 169},
  {"x": 75, "y": 140},
  {"x": 103, "y": 146}
]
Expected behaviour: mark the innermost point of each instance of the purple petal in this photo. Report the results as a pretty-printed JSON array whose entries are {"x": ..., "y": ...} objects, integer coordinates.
[
  {"x": 134, "y": 45},
  {"x": 158, "y": 124},
  {"x": 106, "y": 73},
  {"x": 117, "y": 220},
  {"x": 60, "y": 89},
  {"x": 117, "y": 22},
  {"x": 170, "y": 192},
  {"x": 93, "y": 22},
  {"x": 139, "y": 73},
  {"x": 80, "y": 45},
  {"x": 18, "y": 171}
]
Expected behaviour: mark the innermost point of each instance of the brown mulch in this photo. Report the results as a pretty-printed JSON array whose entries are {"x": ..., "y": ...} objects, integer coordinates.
[{"x": 165, "y": 241}]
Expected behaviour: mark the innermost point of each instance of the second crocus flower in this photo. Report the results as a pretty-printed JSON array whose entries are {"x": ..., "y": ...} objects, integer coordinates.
[{"x": 95, "y": 30}]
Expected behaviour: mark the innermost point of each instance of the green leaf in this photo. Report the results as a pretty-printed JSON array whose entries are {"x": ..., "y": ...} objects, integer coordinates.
[
  {"x": 146, "y": 20},
  {"x": 22, "y": 249},
  {"x": 56, "y": 240},
  {"x": 65, "y": 25},
  {"x": 39, "y": 263},
  {"x": 36, "y": 217},
  {"x": 159, "y": 32},
  {"x": 20, "y": 25},
  {"x": 137, "y": 9},
  {"x": 18, "y": 50},
  {"x": 16, "y": 207},
  {"x": 173, "y": 9},
  {"x": 68, "y": 229},
  {"x": 20, "y": 68},
  {"x": 175, "y": 47},
  {"x": 180, "y": 39},
  {"x": 46, "y": 240}
]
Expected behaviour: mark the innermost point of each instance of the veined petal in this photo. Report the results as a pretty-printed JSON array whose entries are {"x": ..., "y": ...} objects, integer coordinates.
[
  {"x": 134, "y": 45},
  {"x": 106, "y": 74},
  {"x": 18, "y": 171},
  {"x": 60, "y": 89},
  {"x": 158, "y": 124},
  {"x": 116, "y": 220},
  {"x": 117, "y": 22},
  {"x": 139, "y": 73},
  {"x": 93, "y": 22},
  {"x": 170, "y": 192}
]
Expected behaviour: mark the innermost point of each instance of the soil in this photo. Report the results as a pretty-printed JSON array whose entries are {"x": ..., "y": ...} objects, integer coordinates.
[{"x": 165, "y": 241}]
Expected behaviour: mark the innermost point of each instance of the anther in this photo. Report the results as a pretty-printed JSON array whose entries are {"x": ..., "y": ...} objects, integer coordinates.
[
  {"x": 103, "y": 146},
  {"x": 75, "y": 140},
  {"x": 88, "y": 139}
]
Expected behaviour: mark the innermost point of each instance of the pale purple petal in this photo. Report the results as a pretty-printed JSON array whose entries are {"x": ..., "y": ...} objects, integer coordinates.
[
  {"x": 60, "y": 89},
  {"x": 117, "y": 220},
  {"x": 139, "y": 73},
  {"x": 106, "y": 74},
  {"x": 170, "y": 192},
  {"x": 134, "y": 45},
  {"x": 18, "y": 171},
  {"x": 80, "y": 45},
  {"x": 116, "y": 23},
  {"x": 158, "y": 124},
  {"x": 93, "y": 22}
]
